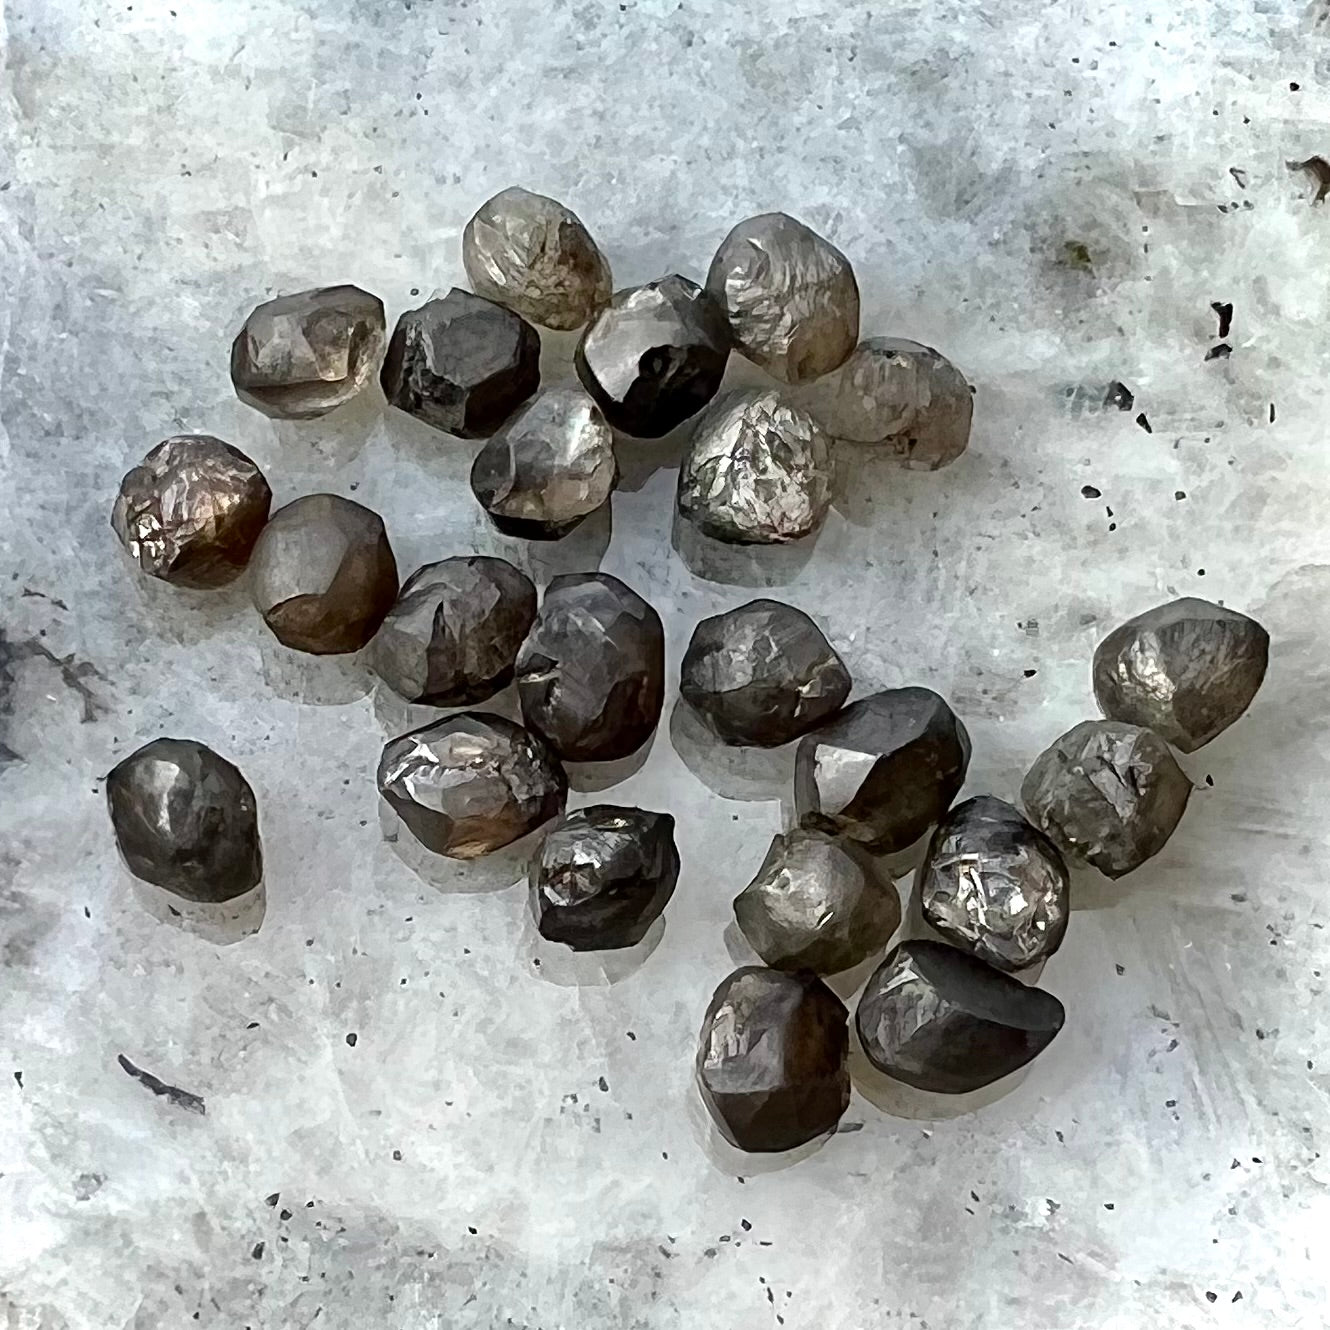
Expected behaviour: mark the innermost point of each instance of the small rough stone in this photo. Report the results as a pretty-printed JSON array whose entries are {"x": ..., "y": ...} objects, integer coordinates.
[
  {"x": 471, "y": 783},
  {"x": 790, "y": 296},
  {"x": 324, "y": 576},
  {"x": 547, "y": 469},
  {"x": 591, "y": 675},
  {"x": 190, "y": 512},
  {"x": 758, "y": 471},
  {"x": 1107, "y": 794},
  {"x": 762, "y": 674},
  {"x": 462, "y": 364},
  {"x": 301, "y": 356},
  {"x": 532, "y": 254},
  {"x": 654, "y": 356},
  {"x": 883, "y": 770},
  {"x": 453, "y": 636},
  {"x": 603, "y": 876},
  {"x": 943, "y": 1021},
  {"x": 772, "y": 1061},
  {"x": 185, "y": 820},
  {"x": 1186, "y": 670},
  {"x": 994, "y": 885},
  {"x": 815, "y": 905}
]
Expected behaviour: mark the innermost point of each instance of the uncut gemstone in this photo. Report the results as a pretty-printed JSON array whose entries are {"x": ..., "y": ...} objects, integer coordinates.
[
  {"x": 190, "y": 512},
  {"x": 185, "y": 820},
  {"x": 324, "y": 576}
]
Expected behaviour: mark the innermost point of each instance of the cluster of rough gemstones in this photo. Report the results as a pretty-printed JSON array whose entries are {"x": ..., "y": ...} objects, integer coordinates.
[{"x": 872, "y": 778}]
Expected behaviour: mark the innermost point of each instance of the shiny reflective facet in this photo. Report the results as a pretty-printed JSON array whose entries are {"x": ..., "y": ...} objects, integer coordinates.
[
  {"x": 191, "y": 511},
  {"x": 994, "y": 885},
  {"x": 1108, "y": 794},
  {"x": 1186, "y": 670}
]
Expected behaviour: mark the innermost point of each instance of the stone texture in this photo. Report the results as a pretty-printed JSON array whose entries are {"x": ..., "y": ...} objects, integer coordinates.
[
  {"x": 758, "y": 470},
  {"x": 324, "y": 576},
  {"x": 994, "y": 885},
  {"x": 790, "y": 296},
  {"x": 905, "y": 399},
  {"x": 771, "y": 1064},
  {"x": 462, "y": 364},
  {"x": 301, "y": 356},
  {"x": 1108, "y": 794},
  {"x": 603, "y": 876},
  {"x": 1186, "y": 670},
  {"x": 815, "y": 905},
  {"x": 190, "y": 512},
  {"x": 185, "y": 820},
  {"x": 471, "y": 783},
  {"x": 762, "y": 674},
  {"x": 883, "y": 770},
  {"x": 654, "y": 356},
  {"x": 591, "y": 675},
  {"x": 532, "y": 254},
  {"x": 453, "y": 635},
  {"x": 548, "y": 468},
  {"x": 941, "y": 1020}
]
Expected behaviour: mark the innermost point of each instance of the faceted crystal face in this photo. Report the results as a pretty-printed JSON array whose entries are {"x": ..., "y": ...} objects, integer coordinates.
[
  {"x": 771, "y": 1064},
  {"x": 1107, "y": 794},
  {"x": 185, "y": 820},
  {"x": 591, "y": 675},
  {"x": 603, "y": 876},
  {"x": 300, "y": 356},
  {"x": 905, "y": 399},
  {"x": 1186, "y": 670},
  {"x": 548, "y": 468},
  {"x": 471, "y": 784},
  {"x": 816, "y": 906},
  {"x": 884, "y": 770},
  {"x": 994, "y": 885},
  {"x": 191, "y": 511},
  {"x": 762, "y": 674},
  {"x": 462, "y": 364},
  {"x": 534, "y": 255},
  {"x": 654, "y": 356},
  {"x": 453, "y": 636},
  {"x": 324, "y": 575},
  {"x": 941, "y": 1020},
  {"x": 790, "y": 296},
  {"x": 758, "y": 471}
]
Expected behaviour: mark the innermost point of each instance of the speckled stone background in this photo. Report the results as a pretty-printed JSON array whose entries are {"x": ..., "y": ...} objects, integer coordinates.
[{"x": 1053, "y": 195}]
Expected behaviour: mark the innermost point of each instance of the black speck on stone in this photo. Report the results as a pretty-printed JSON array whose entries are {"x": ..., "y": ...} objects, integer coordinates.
[
  {"x": 1029, "y": 674},
  {"x": 18, "y": 1077},
  {"x": 257, "y": 1252},
  {"x": 273, "y": 1199},
  {"x": 630, "y": 1035},
  {"x": 1108, "y": 1205},
  {"x": 397, "y": 1156},
  {"x": 1144, "y": 423},
  {"x": 1170, "y": 1103},
  {"x": 1121, "y": 969},
  {"x": 351, "y": 1040},
  {"x": 746, "y": 1226},
  {"x": 1224, "y": 312},
  {"x": 1210, "y": 781},
  {"x": 253, "y": 1025},
  {"x": 603, "y": 1083},
  {"x": 1295, "y": 87},
  {"x": 1237, "y": 1297},
  {"x": 1272, "y": 413},
  {"x": 471, "y": 1230},
  {"x": 1120, "y": 396},
  {"x": 1179, "y": 495},
  {"x": 284, "y": 1215},
  {"x": 1089, "y": 492},
  {"x": 1220, "y": 352},
  {"x": 1210, "y": 1297}
]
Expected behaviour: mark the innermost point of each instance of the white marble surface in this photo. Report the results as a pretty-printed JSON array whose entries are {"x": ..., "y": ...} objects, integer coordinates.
[{"x": 1053, "y": 195}]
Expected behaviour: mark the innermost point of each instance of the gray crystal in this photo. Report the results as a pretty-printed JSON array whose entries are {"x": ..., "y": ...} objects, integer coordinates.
[
  {"x": 790, "y": 296},
  {"x": 185, "y": 820},
  {"x": 547, "y": 469},
  {"x": 591, "y": 676},
  {"x": 994, "y": 885},
  {"x": 191, "y": 511},
  {"x": 453, "y": 635},
  {"x": 1108, "y": 794},
  {"x": 884, "y": 770},
  {"x": 534, "y": 255},
  {"x": 1186, "y": 670},
  {"x": 471, "y": 784},
  {"x": 300, "y": 356},
  {"x": 941, "y": 1020},
  {"x": 758, "y": 470},
  {"x": 603, "y": 876},
  {"x": 815, "y": 905},
  {"x": 772, "y": 1060},
  {"x": 462, "y": 364},
  {"x": 324, "y": 575},
  {"x": 654, "y": 356},
  {"x": 762, "y": 674}
]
